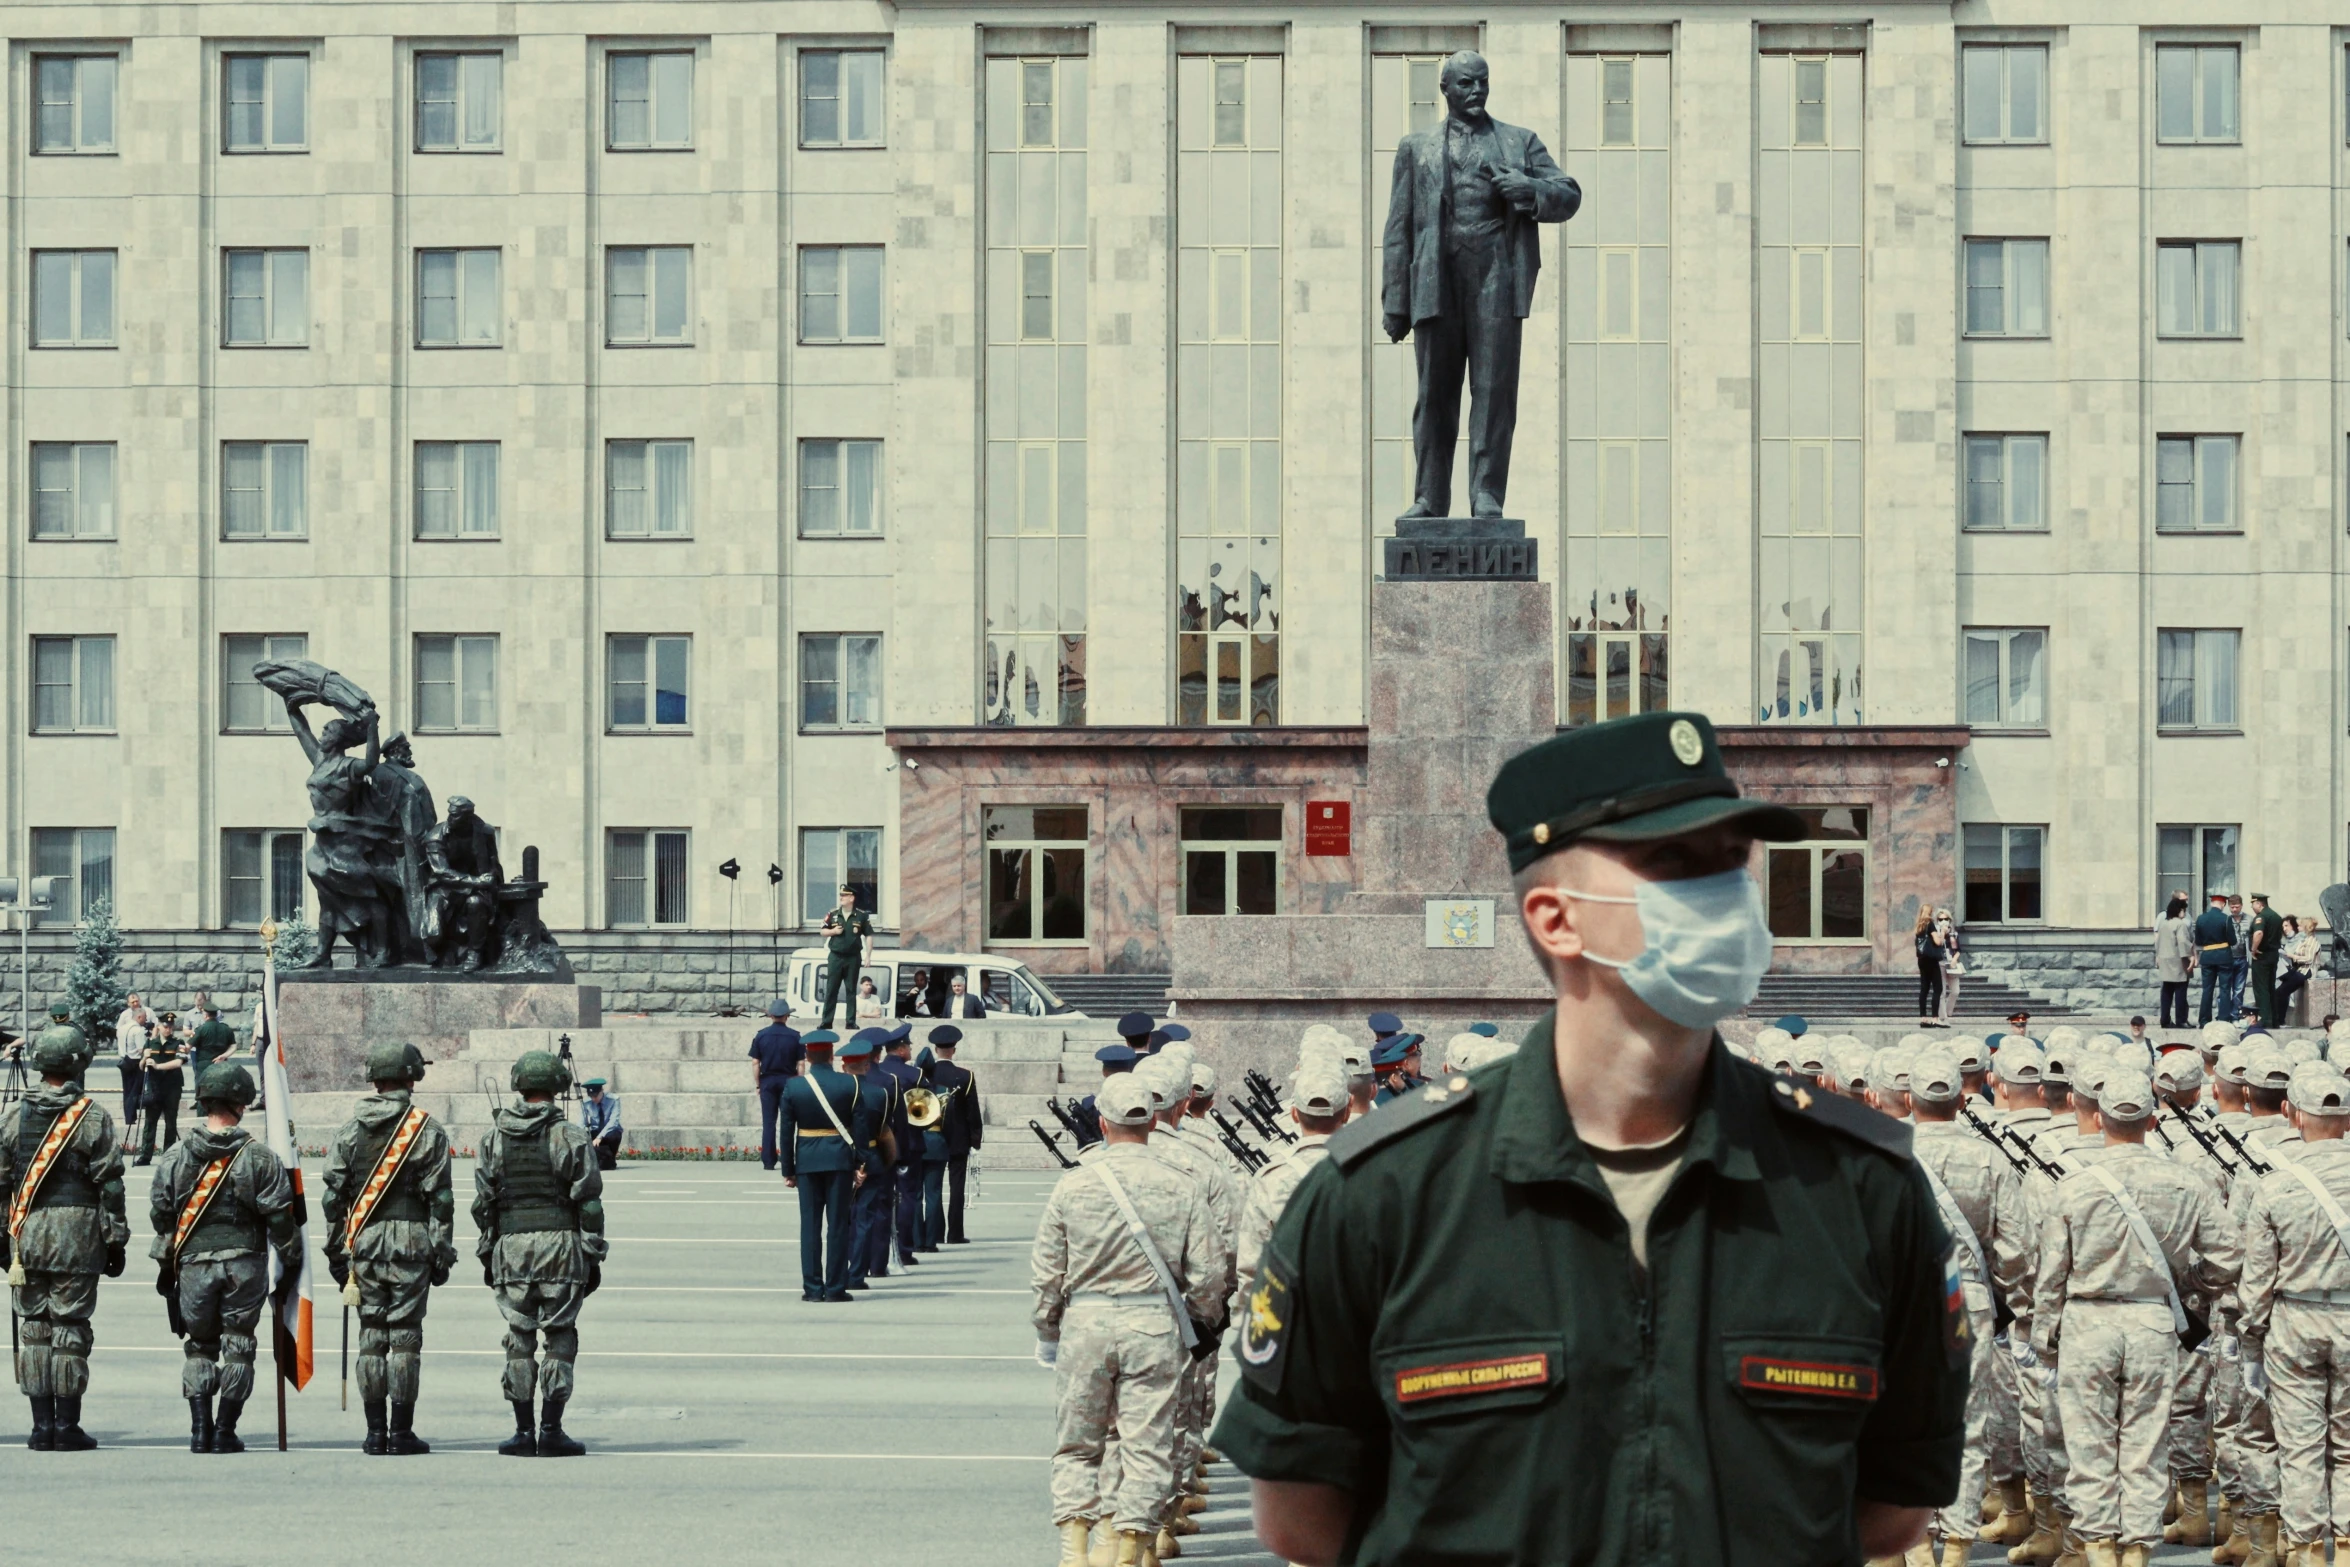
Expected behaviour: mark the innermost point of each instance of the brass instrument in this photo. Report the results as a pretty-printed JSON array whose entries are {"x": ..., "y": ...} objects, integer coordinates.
[{"x": 924, "y": 1107}]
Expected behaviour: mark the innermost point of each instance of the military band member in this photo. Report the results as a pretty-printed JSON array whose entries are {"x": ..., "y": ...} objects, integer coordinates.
[
  {"x": 538, "y": 1204},
  {"x": 876, "y": 1149},
  {"x": 1397, "y": 1061},
  {"x": 61, "y": 1185},
  {"x": 958, "y": 1134},
  {"x": 822, "y": 1111},
  {"x": 391, "y": 1238},
  {"x": 221, "y": 1203},
  {"x": 896, "y": 1072}
]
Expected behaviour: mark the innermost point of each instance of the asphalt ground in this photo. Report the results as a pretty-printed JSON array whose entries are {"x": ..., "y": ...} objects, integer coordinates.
[{"x": 723, "y": 1415}]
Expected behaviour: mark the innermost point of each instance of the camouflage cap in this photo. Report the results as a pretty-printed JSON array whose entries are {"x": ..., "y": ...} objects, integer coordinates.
[
  {"x": 393, "y": 1062},
  {"x": 2232, "y": 1060},
  {"x": 2125, "y": 1095},
  {"x": 1934, "y": 1075},
  {"x": 2301, "y": 1048},
  {"x": 2179, "y": 1072},
  {"x": 2217, "y": 1035},
  {"x": 1774, "y": 1047},
  {"x": 225, "y": 1082},
  {"x": 59, "y": 1011},
  {"x": 2323, "y": 1092},
  {"x": 1849, "y": 1062},
  {"x": 540, "y": 1072},
  {"x": 2267, "y": 1069},
  {"x": 1126, "y": 1100},
  {"x": 1318, "y": 1089},
  {"x": 1971, "y": 1054},
  {"x": 2090, "y": 1070},
  {"x": 1889, "y": 1070},
  {"x": 2019, "y": 1062},
  {"x": 2056, "y": 1065}
]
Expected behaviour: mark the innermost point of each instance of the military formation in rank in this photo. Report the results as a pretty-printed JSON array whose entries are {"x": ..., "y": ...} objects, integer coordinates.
[
  {"x": 1151, "y": 1235},
  {"x": 2154, "y": 1246}
]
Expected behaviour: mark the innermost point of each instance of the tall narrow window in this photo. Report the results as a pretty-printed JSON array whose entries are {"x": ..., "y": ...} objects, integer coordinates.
[
  {"x": 2006, "y": 674},
  {"x": 457, "y": 102},
  {"x": 835, "y": 857},
  {"x": 267, "y": 102},
  {"x": 261, "y": 875},
  {"x": 840, "y": 98},
  {"x": 73, "y": 298},
  {"x": 645, "y": 877},
  {"x": 652, "y": 101},
  {"x": 73, "y": 685},
  {"x": 2195, "y": 679},
  {"x": 73, "y": 103},
  {"x": 840, "y": 682},
  {"x": 268, "y": 298},
  {"x": 2195, "y": 483},
  {"x": 2195, "y": 93},
  {"x": 2195, "y": 862},
  {"x": 2006, "y": 483},
  {"x": 457, "y": 301},
  {"x": 1036, "y": 885},
  {"x": 649, "y": 294},
  {"x": 82, "y": 858},
  {"x": 2006, "y": 90},
  {"x": 2007, "y": 288},
  {"x": 457, "y": 684},
  {"x": 840, "y": 489},
  {"x": 840, "y": 294},
  {"x": 2196, "y": 287},
  {"x": 264, "y": 490},
  {"x": 2002, "y": 868},
  {"x": 1811, "y": 103},
  {"x": 1818, "y": 889},
  {"x": 247, "y": 706},
  {"x": 456, "y": 489},
  {"x": 646, "y": 680},
  {"x": 73, "y": 489},
  {"x": 650, "y": 489}
]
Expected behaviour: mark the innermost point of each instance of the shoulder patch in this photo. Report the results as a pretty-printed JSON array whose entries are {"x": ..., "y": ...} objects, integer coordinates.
[
  {"x": 1264, "y": 1326},
  {"x": 1353, "y": 1141},
  {"x": 1854, "y": 1120}
]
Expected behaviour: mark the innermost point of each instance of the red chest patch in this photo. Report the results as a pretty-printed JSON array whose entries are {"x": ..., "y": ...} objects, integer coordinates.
[
  {"x": 1471, "y": 1376},
  {"x": 1816, "y": 1378}
]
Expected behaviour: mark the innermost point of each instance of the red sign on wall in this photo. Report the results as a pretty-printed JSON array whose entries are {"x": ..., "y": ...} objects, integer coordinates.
[{"x": 1330, "y": 828}]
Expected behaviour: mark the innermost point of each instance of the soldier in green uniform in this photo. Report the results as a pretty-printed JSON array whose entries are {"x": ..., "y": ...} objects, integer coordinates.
[
  {"x": 61, "y": 1187},
  {"x": 211, "y": 1040},
  {"x": 391, "y": 1236},
  {"x": 220, "y": 1203},
  {"x": 1622, "y": 1297},
  {"x": 848, "y": 946},
  {"x": 538, "y": 1202}
]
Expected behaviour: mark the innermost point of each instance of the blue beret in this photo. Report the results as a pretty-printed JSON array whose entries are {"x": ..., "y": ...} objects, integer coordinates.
[
  {"x": 1485, "y": 1030},
  {"x": 1134, "y": 1025},
  {"x": 1793, "y": 1024},
  {"x": 779, "y": 1008},
  {"x": 822, "y": 1036},
  {"x": 1386, "y": 1023},
  {"x": 1391, "y": 1050},
  {"x": 1116, "y": 1055},
  {"x": 946, "y": 1036}
]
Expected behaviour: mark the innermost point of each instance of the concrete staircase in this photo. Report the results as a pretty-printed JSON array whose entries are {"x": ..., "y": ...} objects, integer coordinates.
[{"x": 691, "y": 1087}]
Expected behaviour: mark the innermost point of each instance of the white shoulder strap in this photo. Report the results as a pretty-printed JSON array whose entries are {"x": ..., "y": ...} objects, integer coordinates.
[
  {"x": 1955, "y": 1218},
  {"x": 824, "y": 1099},
  {"x": 2145, "y": 1233},
  {"x": 2325, "y": 1199},
  {"x": 1150, "y": 1253}
]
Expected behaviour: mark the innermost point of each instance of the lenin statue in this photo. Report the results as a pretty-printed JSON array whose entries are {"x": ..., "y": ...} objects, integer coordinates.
[{"x": 1461, "y": 255}]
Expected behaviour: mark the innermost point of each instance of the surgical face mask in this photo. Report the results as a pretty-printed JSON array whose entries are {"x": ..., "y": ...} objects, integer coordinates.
[{"x": 1704, "y": 948}]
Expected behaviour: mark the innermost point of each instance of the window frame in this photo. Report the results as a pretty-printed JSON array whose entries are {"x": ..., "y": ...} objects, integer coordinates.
[
  {"x": 838, "y": 875},
  {"x": 653, "y": 99},
  {"x": 653, "y": 490},
  {"x": 2009, "y": 248},
  {"x": 2006, "y": 722},
  {"x": 650, "y": 879},
  {"x": 75, "y": 504},
  {"x": 265, "y": 885},
  {"x": 460, "y": 643},
  {"x": 2201, "y": 722},
  {"x": 842, "y": 693},
  {"x": 462, "y": 58},
  {"x": 56, "y": 918},
  {"x": 1230, "y": 849},
  {"x": 2200, "y": 445},
  {"x": 2007, "y": 832},
  {"x": 1818, "y": 851},
  {"x": 268, "y": 533},
  {"x": 461, "y": 296},
  {"x": 76, "y": 307},
  {"x": 461, "y": 508},
  {"x": 1968, "y": 52},
  {"x": 2200, "y": 135},
  {"x": 651, "y": 643},
  {"x": 651, "y": 297},
  {"x": 2008, "y": 443},
  {"x": 268, "y": 296},
  {"x": 267, "y": 146},
  {"x": 2200, "y": 280},
  {"x": 841, "y": 296},
  {"x": 1033, "y": 848},
  {"x": 841, "y": 488},
  {"x": 841, "y": 54},
  {"x": 75, "y": 687},
  {"x": 276, "y": 722},
  {"x": 75, "y": 146},
  {"x": 2198, "y": 886}
]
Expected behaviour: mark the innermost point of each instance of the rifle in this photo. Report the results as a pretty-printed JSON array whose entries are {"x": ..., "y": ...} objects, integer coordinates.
[
  {"x": 1051, "y": 1147},
  {"x": 2202, "y": 1141},
  {"x": 1251, "y": 1159},
  {"x": 2012, "y": 1143},
  {"x": 1267, "y": 1105},
  {"x": 1248, "y": 1112},
  {"x": 346, "y": 1356},
  {"x": 1068, "y": 1121},
  {"x": 167, "y": 1285},
  {"x": 2252, "y": 1161}
]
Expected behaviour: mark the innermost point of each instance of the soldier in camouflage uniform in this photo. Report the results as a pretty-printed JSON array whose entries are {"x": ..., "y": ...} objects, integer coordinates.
[
  {"x": 62, "y": 1232},
  {"x": 1318, "y": 1102},
  {"x": 1169, "y": 1076},
  {"x": 1104, "y": 1321},
  {"x": 402, "y": 1247},
  {"x": 538, "y": 1201},
  {"x": 222, "y": 1261}
]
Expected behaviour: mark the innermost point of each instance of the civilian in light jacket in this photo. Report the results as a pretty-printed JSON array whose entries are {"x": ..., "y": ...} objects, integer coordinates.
[{"x": 2174, "y": 961}]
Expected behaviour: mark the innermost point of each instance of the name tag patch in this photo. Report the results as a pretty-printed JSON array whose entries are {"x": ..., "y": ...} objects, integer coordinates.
[
  {"x": 1817, "y": 1378},
  {"x": 1421, "y": 1383}
]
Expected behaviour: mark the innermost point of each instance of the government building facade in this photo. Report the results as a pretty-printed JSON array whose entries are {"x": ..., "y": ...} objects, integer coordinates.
[{"x": 947, "y": 448}]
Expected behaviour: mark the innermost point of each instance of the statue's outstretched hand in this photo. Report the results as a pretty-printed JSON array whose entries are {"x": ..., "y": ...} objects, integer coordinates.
[{"x": 1399, "y": 327}]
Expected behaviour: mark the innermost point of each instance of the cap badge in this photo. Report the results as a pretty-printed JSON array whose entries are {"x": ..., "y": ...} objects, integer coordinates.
[
  {"x": 1542, "y": 832},
  {"x": 1688, "y": 745}
]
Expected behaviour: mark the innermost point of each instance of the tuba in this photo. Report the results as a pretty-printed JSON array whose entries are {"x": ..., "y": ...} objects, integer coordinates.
[{"x": 923, "y": 1107}]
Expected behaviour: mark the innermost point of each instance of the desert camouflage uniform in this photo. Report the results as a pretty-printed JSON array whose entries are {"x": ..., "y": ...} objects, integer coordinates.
[
  {"x": 2295, "y": 1296},
  {"x": 410, "y": 1238},
  {"x": 76, "y": 1218},
  {"x": 224, "y": 1267},
  {"x": 1197, "y": 1405},
  {"x": 2028, "y": 1193},
  {"x": 1268, "y": 1193},
  {"x": 1968, "y": 1170},
  {"x": 2251, "y": 1428},
  {"x": 1121, "y": 1357},
  {"x": 538, "y": 1170}
]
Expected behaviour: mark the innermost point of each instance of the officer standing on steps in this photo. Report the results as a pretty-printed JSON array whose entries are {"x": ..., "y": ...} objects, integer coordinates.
[
  {"x": 538, "y": 1202},
  {"x": 61, "y": 1187},
  {"x": 848, "y": 946},
  {"x": 820, "y": 1162},
  {"x": 776, "y": 1054},
  {"x": 1714, "y": 1301},
  {"x": 959, "y": 1128},
  {"x": 220, "y": 1204},
  {"x": 391, "y": 1221}
]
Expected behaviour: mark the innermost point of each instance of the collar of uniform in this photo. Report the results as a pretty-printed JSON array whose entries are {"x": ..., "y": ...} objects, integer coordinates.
[{"x": 1535, "y": 1140}]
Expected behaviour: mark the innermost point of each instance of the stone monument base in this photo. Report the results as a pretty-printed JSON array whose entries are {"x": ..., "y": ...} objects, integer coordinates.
[{"x": 329, "y": 1024}]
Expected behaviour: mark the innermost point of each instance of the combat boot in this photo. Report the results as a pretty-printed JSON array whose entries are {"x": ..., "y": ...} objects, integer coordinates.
[
  {"x": 376, "y": 1426},
  {"x": 1193, "y": 1503},
  {"x": 2264, "y": 1541},
  {"x": 1166, "y": 1547},
  {"x": 2102, "y": 1553},
  {"x": 2013, "y": 1524},
  {"x": 2172, "y": 1503},
  {"x": 2074, "y": 1549},
  {"x": 1954, "y": 1552},
  {"x": 2235, "y": 1544},
  {"x": 2223, "y": 1526},
  {"x": 1105, "y": 1549},
  {"x": 1130, "y": 1548},
  {"x": 2194, "y": 1525},
  {"x": 224, "y": 1428},
  {"x": 524, "y": 1443},
  {"x": 552, "y": 1442},
  {"x": 1918, "y": 1555},
  {"x": 400, "y": 1438},
  {"x": 1993, "y": 1505},
  {"x": 2042, "y": 1544},
  {"x": 199, "y": 1423},
  {"x": 1208, "y": 1455},
  {"x": 2137, "y": 1555},
  {"x": 44, "y": 1416},
  {"x": 1075, "y": 1533},
  {"x": 66, "y": 1434},
  {"x": 2342, "y": 1549}
]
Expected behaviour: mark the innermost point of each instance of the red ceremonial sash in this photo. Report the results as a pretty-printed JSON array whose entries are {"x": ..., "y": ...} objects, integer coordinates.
[{"x": 61, "y": 1132}]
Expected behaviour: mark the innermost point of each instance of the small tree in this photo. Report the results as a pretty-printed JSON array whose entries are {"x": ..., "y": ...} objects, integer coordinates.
[
  {"x": 296, "y": 944},
  {"x": 94, "y": 992}
]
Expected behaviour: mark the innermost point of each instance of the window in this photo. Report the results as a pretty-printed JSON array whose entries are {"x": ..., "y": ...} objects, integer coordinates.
[
  {"x": 652, "y": 101},
  {"x": 840, "y": 98},
  {"x": 2007, "y": 288},
  {"x": 2006, "y": 92},
  {"x": 2194, "y": 862},
  {"x": 1036, "y": 103},
  {"x": 2195, "y": 92},
  {"x": 840, "y": 489},
  {"x": 646, "y": 681},
  {"x": 2006, "y": 674},
  {"x": 1811, "y": 103},
  {"x": 1035, "y": 872},
  {"x": 457, "y": 684},
  {"x": 840, "y": 294},
  {"x": 835, "y": 857},
  {"x": 267, "y": 102},
  {"x": 73, "y": 102},
  {"x": 457, "y": 298},
  {"x": 649, "y": 489},
  {"x": 644, "y": 878},
  {"x": 456, "y": 489},
  {"x": 260, "y": 875},
  {"x": 73, "y": 490},
  {"x": 2002, "y": 873},
  {"x": 1231, "y": 859},
  {"x": 457, "y": 102},
  {"x": 2195, "y": 484},
  {"x": 73, "y": 685},
  {"x": 840, "y": 682},
  {"x": 247, "y": 706},
  {"x": 2196, "y": 287},
  {"x": 84, "y": 857},
  {"x": 1615, "y": 103},
  {"x": 1036, "y": 296},
  {"x": 2195, "y": 679},
  {"x": 73, "y": 298},
  {"x": 1817, "y": 890},
  {"x": 2006, "y": 483},
  {"x": 649, "y": 294},
  {"x": 263, "y": 490},
  {"x": 268, "y": 298}
]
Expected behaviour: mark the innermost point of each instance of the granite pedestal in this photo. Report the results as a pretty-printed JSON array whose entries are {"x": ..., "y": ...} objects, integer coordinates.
[{"x": 329, "y": 1022}]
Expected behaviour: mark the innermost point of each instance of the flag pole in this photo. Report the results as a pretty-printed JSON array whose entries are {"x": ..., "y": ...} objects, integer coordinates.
[{"x": 289, "y": 1296}]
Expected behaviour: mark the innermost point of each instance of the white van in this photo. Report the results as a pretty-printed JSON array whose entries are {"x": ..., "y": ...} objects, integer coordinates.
[{"x": 915, "y": 985}]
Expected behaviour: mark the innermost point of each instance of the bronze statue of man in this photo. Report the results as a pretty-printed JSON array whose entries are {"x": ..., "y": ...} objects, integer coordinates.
[{"x": 1461, "y": 256}]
